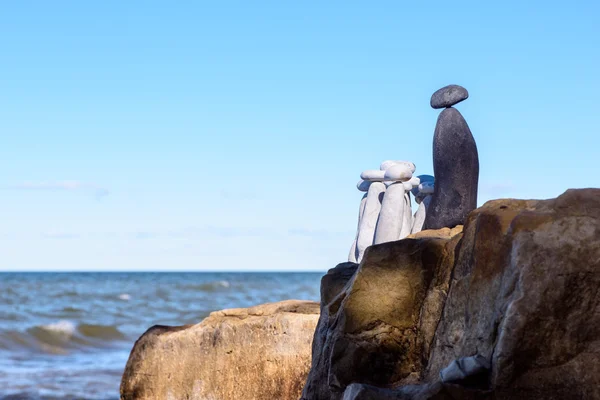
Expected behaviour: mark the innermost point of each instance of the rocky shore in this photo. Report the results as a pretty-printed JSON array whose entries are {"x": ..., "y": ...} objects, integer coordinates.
[
  {"x": 261, "y": 352},
  {"x": 498, "y": 302},
  {"x": 507, "y": 307}
]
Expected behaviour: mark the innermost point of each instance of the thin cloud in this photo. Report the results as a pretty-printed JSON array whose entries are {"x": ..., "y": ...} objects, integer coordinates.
[
  {"x": 60, "y": 235},
  {"x": 68, "y": 186}
]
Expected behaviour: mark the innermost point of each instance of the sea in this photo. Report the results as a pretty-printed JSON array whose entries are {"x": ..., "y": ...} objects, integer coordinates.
[{"x": 68, "y": 335}]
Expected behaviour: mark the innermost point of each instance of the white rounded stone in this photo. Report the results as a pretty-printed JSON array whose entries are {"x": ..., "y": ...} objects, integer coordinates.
[
  {"x": 363, "y": 185},
  {"x": 368, "y": 221},
  {"x": 389, "y": 163},
  {"x": 426, "y": 188},
  {"x": 411, "y": 183},
  {"x": 407, "y": 221},
  {"x": 423, "y": 179},
  {"x": 398, "y": 173},
  {"x": 373, "y": 175},
  {"x": 352, "y": 256},
  {"x": 391, "y": 216},
  {"x": 419, "y": 218}
]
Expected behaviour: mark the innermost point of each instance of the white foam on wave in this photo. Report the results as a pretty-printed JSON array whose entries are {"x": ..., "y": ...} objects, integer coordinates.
[
  {"x": 124, "y": 296},
  {"x": 63, "y": 327},
  {"x": 224, "y": 284}
]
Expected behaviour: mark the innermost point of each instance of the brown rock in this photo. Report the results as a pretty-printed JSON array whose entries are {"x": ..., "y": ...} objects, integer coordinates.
[
  {"x": 508, "y": 309},
  {"x": 332, "y": 285},
  {"x": 371, "y": 329},
  {"x": 526, "y": 295},
  {"x": 261, "y": 352}
]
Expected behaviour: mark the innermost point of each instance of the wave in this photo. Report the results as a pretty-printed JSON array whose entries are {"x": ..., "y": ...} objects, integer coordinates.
[
  {"x": 209, "y": 286},
  {"x": 34, "y": 395},
  {"x": 61, "y": 337}
]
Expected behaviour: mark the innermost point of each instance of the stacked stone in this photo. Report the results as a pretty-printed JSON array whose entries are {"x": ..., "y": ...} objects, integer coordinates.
[
  {"x": 422, "y": 194},
  {"x": 385, "y": 212},
  {"x": 395, "y": 218},
  {"x": 370, "y": 205},
  {"x": 455, "y": 163}
]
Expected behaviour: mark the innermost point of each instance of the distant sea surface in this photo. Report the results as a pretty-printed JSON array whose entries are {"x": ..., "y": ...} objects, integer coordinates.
[{"x": 68, "y": 335}]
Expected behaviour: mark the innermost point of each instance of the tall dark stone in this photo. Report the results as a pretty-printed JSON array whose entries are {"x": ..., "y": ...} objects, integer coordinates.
[{"x": 456, "y": 170}]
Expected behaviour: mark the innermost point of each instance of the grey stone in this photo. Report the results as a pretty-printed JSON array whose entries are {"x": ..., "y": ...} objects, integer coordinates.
[
  {"x": 397, "y": 172},
  {"x": 464, "y": 368},
  {"x": 411, "y": 183},
  {"x": 373, "y": 175},
  {"x": 426, "y": 188},
  {"x": 368, "y": 221},
  {"x": 407, "y": 221},
  {"x": 352, "y": 257},
  {"x": 419, "y": 217},
  {"x": 422, "y": 180},
  {"x": 363, "y": 185},
  {"x": 449, "y": 96},
  {"x": 456, "y": 170},
  {"x": 390, "y": 163},
  {"x": 391, "y": 217}
]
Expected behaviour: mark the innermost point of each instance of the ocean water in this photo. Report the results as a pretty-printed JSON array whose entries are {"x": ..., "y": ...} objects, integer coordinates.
[{"x": 68, "y": 335}]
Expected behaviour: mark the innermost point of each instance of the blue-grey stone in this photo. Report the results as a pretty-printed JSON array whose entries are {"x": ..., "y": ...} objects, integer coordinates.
[
  {"x": 422, "y": 179},
  {"x": 448, "y": 96},
  {"x": 467, "y": 367}
]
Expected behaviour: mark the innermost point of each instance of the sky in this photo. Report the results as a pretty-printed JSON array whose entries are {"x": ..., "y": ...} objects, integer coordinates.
[{"x": 212, "y": 136}]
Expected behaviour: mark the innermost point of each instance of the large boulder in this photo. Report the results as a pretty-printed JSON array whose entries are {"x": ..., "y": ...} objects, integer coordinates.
[
  {"x": 526, "y": 296},
  {"x": 262, "y": 352},
  {"x": 377, "y": 318},
  {"x": 509, "y": 309}
]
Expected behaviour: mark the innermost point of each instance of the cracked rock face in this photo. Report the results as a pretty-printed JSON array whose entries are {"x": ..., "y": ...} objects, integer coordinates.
[
  {"x": 507, "y": 309},
  {"x": 261, "y": 352},
  {"x": 371, "y": 329}
]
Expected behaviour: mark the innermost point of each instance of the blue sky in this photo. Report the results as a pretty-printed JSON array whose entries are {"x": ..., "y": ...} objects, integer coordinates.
[{"x": 230, "y": 135}]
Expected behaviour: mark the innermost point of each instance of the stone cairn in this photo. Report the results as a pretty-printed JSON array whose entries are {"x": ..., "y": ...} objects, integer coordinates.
[
  {"x": 455, "y": 163},
  {"x": 385, "y": 213}
]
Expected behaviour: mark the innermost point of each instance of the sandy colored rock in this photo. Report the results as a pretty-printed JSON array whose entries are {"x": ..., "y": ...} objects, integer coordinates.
[{"x": 262, "y": 352}]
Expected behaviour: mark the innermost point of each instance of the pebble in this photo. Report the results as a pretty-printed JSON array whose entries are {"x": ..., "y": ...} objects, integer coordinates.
[
  {"x": 372, "y": 175},
  {"x": 363, "y": 185},
  {"x": 389, "y": 163},
  {"x": 448, "y": 96},
  {"x": 398, "y": 172}
]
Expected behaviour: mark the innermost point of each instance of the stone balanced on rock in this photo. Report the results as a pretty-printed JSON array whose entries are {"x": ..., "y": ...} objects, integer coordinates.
[{"x": 455, "y": 163}]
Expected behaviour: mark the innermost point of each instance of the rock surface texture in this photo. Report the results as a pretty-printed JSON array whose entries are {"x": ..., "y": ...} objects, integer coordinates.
[
  {"x": 261, "y": 352},
  {"x": 509, "y": 308},
  {"x": 370, "y": 329},
  {"x": 448, "y": 96},
  {"x": 456, "y": 170}
]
